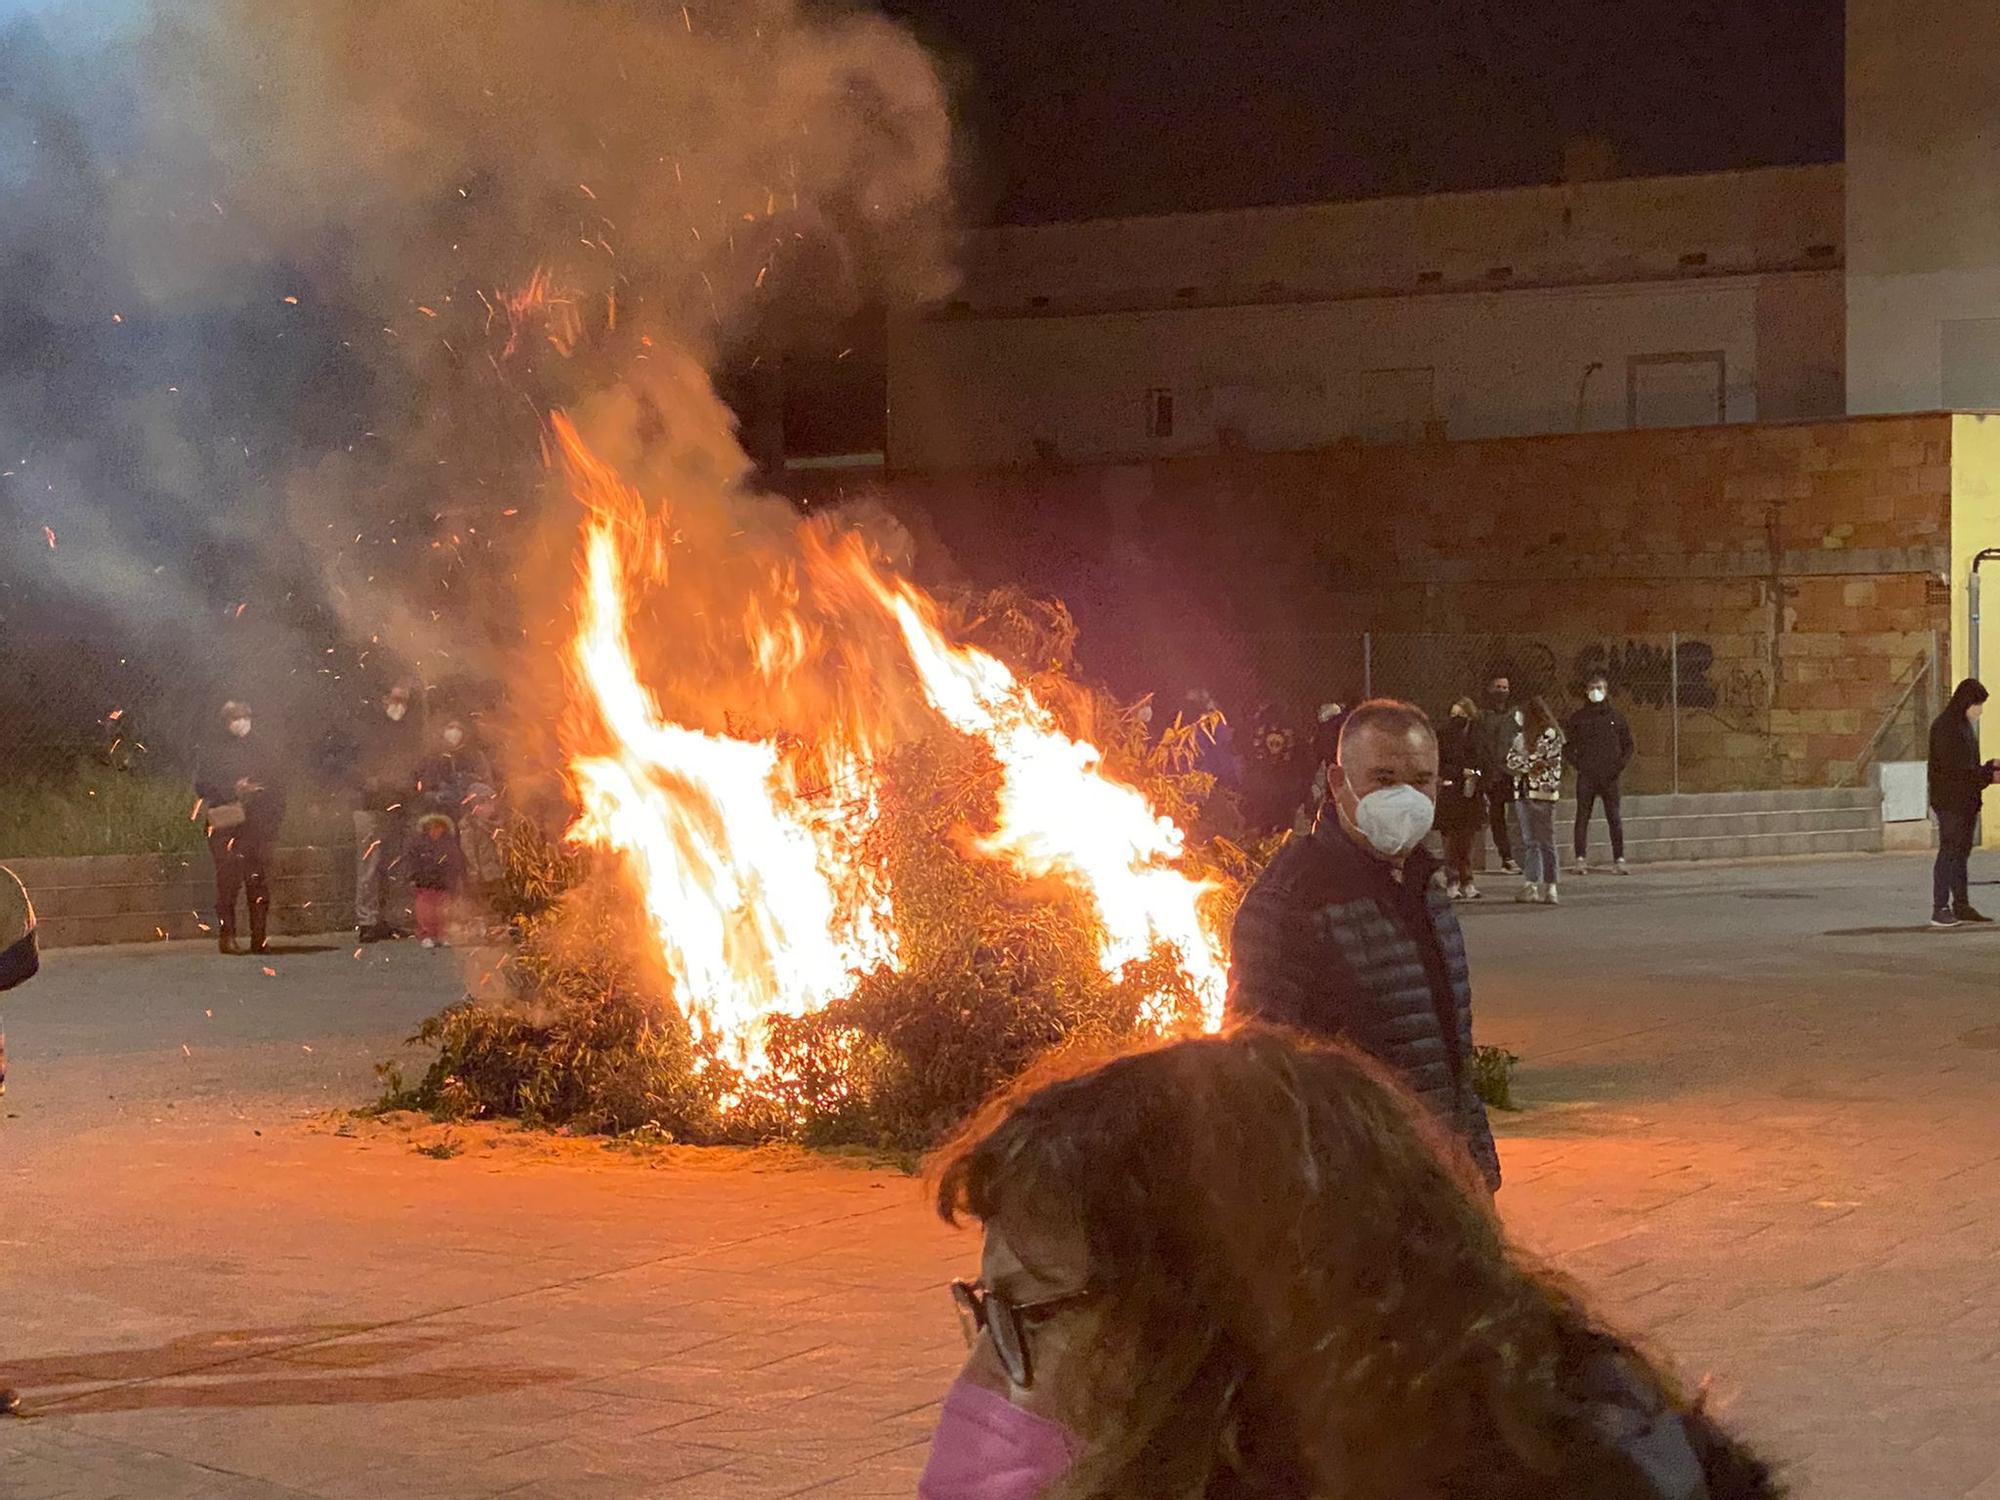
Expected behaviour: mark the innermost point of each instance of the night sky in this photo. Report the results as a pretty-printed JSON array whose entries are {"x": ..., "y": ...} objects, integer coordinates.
[{"x": 1082, "y": 108}]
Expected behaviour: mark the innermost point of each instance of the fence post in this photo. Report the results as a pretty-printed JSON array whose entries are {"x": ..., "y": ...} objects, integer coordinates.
[
  {"x": 1674, "y": 700},
  {"x": 1367, "y": 664}
]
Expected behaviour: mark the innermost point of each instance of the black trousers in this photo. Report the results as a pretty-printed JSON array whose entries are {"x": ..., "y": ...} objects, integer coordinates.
[
  {"x": 1588, "y": 791},
  {"x": 1951, "y": 876},
  {"x": 1500, "y": 818},
  {"x": 242, "y": 864}
]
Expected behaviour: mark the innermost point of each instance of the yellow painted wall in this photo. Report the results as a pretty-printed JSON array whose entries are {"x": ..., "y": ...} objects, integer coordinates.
[{"x": 1975, "y": 524}]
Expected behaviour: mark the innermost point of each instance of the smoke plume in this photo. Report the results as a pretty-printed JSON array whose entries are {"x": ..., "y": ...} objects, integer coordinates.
[{"x": 287, "y": 292}]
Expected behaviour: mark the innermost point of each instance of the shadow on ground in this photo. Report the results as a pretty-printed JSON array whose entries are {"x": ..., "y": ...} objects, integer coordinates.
[{"x": 255, "y": 1368}]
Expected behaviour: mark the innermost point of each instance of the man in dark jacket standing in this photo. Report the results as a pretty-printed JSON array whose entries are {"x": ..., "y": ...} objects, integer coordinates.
[
  {"x": 1348, "y": 933},
  {"x": 1958, "y": 783},
  {"x": 1598, "y": 742},
  {"x": 385, "y": 783},
  {"x": 1499, "y": 721}
]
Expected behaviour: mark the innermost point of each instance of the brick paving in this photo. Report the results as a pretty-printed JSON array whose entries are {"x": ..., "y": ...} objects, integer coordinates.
[{"x": 1761, "y": 1128}]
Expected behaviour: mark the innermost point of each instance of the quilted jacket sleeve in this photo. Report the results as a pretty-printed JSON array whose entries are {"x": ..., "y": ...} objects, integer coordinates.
[{"x": 1280, "y": 970}]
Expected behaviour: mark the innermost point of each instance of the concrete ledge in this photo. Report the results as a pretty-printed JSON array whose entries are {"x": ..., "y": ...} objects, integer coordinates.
[
  {"x": 136, "y": 898},
  {"x": 1908, "y": 837}
]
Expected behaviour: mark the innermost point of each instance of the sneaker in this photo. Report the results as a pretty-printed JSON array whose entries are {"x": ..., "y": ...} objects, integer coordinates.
[
  {"x": 1582, "y": 865},
  {"x": 1454, "y": 890},
  {"x": 430, "y": 942},
  {"x": 1508, "y": 866},
  {"x": 1550, "y": 896},
  {"x": 1619, "y": 867},
  {"x": 1530, "y": 893},
  {"x": 1969, "y": 914},
  {"x": 1944, "y": 916},
  {"x": 1469, "y": 891}
]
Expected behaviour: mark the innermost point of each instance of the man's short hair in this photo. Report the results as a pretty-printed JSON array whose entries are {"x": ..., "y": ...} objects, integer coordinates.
[{"x": 1388, "y": 715}]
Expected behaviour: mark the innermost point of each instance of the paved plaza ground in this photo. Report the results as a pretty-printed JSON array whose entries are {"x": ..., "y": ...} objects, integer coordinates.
[{"x": 1763, "y": 1126}]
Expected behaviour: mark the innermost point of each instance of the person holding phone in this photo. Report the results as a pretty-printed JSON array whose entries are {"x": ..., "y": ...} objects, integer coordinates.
[
  {"x": 243, "y": 804},
  {"x": 1958, "y": 783}
]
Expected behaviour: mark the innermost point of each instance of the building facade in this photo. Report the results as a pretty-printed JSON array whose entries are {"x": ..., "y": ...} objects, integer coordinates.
[
  {"x": 1590, "y": 306},
  {"x": 1923, "y": 206}
]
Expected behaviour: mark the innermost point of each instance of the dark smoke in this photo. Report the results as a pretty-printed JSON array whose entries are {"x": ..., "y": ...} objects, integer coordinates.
[{"x": 259, "y": 368}]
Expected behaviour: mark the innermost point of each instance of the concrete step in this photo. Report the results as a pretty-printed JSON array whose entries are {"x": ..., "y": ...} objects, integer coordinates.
[
  {"x": 1749, "y": 846},
  {"x": 1792, "y": 799},
  {"x": 1720, "y": 825},
  {"x": 1740, "y": 825}
]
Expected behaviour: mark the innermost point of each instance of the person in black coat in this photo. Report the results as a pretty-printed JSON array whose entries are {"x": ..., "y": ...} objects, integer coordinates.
[
  {"x": 386, "y": 757},
  {"x": 242, "y": 796},
  {"x": 1461, "y": 802},
  {"x": 1495, "y": 730},
  {"x": 1958, "y": 782},
  {"x": 1349, "y": 934},
  {"x": 1598, "y": 742}
]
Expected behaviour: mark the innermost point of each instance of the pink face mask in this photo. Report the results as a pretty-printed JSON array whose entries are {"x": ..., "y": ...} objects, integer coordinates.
[{"x": 987, "y": 1448}]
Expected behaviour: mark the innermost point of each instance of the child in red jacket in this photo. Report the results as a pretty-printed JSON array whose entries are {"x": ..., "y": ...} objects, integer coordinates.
[{"x": 437, "y": 873}]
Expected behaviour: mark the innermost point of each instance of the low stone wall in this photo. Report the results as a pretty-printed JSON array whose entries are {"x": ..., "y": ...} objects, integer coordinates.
[
  {"x": 137, "y": 898},
  {"x": 1804, "y": 567}
]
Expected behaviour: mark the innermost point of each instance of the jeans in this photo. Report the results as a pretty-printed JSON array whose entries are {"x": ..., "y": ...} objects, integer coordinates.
[
  {"x": 1499, "y": 815},
  {"x": 1588, "y": 790},
  {"x": 1458, "y": 846},
  {"x": 241, "y": 864},
  {"x": 1536, "y": 823},
  {"x": 378, "y": 841},
  {"x": 1949, "y": 876}
]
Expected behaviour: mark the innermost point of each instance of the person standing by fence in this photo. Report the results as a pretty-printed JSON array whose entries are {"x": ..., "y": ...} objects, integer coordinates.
[
  {"x": 1496, "y": 730},
  {"x": 244, "y": 805},
  {"x": 1598, "y": 742},
  {"x": 1536, "y": 763},
  {"x": 1461, "y": 807},
  {"x": 1958, "y": 783},
  {"x": 385, "y": 779}
]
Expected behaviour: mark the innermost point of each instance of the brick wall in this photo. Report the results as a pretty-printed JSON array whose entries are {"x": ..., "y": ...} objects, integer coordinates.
[{"x": 1799, "y": 563}]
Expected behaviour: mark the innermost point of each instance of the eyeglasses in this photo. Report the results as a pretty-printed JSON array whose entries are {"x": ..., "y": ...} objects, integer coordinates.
[{"x": 1007, "y": 1323}]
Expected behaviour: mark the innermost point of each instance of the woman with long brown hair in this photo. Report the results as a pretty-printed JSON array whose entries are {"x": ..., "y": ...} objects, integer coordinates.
[
  {"x": 1245, "y": 1268},
  {"x": 1536, "y": 761}
]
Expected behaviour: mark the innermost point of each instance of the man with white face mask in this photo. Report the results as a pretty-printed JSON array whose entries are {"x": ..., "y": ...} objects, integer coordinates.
[
  {"x": 1598, "y": 742},
  {"x": 1349, "y": 933},
  {"x": 385, "y": 779}
]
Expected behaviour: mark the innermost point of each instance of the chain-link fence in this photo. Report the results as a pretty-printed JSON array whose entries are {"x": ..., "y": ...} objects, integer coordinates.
[
  {"x": 1707, "y": 712},
  {"x": 99, "y": 739}
]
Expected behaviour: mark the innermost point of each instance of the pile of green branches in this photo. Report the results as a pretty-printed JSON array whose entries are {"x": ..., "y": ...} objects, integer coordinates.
[{"x": 994, "y": 972}]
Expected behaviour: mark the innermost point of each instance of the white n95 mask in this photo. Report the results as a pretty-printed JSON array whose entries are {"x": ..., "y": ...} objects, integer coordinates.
[{"x": 1395, "y": 819}]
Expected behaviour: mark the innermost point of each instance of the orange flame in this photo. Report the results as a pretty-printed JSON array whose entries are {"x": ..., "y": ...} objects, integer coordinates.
[
  {"x": 1059, "y": 813},
  {"x": 749, "y": 853}
]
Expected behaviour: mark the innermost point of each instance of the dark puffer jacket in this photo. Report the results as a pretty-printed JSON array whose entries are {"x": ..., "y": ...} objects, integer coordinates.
[
  {"x": 1330, "y": 944},
  {"x": 19, "y": 955},
  {"x": 1598, "y": 742}
]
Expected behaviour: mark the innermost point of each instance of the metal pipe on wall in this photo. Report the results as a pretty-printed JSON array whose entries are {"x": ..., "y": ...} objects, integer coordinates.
[{"x": 1990, "y": 554}]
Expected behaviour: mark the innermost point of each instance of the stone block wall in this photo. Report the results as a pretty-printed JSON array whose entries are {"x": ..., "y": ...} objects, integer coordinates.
[
  {"x": 137, "y": 898},
  {"x": 1803, "y": 568}
]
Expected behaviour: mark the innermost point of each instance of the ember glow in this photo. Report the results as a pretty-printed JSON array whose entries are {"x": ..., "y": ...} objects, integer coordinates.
[{"x": 750, "y": 853}]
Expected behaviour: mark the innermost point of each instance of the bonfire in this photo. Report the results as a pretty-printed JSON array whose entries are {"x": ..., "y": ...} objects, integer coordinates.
[{"x": 895, "y": 869}]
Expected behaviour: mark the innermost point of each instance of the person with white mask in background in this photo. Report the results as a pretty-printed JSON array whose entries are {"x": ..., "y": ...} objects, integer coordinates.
[
  {"x": 385, "y": 784},
  {"x": 238, "y": 779},
  {"x": 1349, "y": 932},
  {"x": 1598, "y": 742}
]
